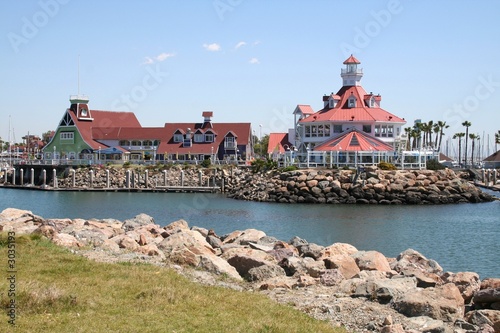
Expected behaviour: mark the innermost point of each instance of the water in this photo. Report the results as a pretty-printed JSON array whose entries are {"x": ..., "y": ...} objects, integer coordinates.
[{"x": 463, "y": 237}]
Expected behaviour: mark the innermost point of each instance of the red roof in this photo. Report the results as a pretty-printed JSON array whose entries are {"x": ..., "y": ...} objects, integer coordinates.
[
  {"x": 207, "y": 114},
  {"x": 167, "y": 145},
  {"x": 277, "y": 142},
  {"x": 305, "y": 109},
  {"x": 362, "y": 113},
  {"x": 351, "y": 60},
  {"x": 106, "y": 121},
  {"x": 354, "y": 140}
]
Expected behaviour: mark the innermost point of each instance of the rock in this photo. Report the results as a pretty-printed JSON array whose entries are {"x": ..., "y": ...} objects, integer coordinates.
[
  {"x": 487, "y": 296},
  {"x": 280, "y": 282},
  {"x": 45, "y": 230},
  {"x": 344, "y": 263},
  {"x": 442, "y": 303},
  {"x": 185, "y": 247},
  {"x": 396, "y": 328},
  {"x": 176, "y": 226},
  {"x": 310, "y": 250},
  {"x": 413, "y": 260},
  {"x": 384, "y": 290},
  {"x": 281, "y": 254},
  {"x": 245, "y": 237},
  {"x": 142, "y": 240},
  {"x": 484, "y": 317},
  {"x": 243, "y": 259},
  {"x": 126, "y": 242},
  {"x": 371, "y": 260},
  {"x": 151, "y": 250},
  {"x": 219, "y": 266},
  {"x": 430, "y": 325},
  {"x": 467, "y": 282},
  {"x": 337, "y": 249},
  {"x": 314, "y": 268},
  {"x": 331, "y": 277},
  {"x": 110, "y": 245},
  {"x": 264, "y": 272},
  {"x": 490, "y": 283},
  {"x": 137, "y": 221},
  {"x": 66, "y": 240},
  {"x": 214, "y": 241},
  {"x": 293, "y": 265}
]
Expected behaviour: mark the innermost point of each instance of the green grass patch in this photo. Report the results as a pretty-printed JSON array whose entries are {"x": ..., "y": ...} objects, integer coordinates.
[{"x": 57, "y": 291}]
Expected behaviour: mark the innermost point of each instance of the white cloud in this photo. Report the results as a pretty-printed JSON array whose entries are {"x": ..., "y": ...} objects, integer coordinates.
[
  {"x": 164, "y": 56},
  {"x": 254, "y": 61},
  {"x": 161, "y": 57},
  {"x": 147, "y": 61},
  {"x": 212, "y": 47},
  {"x": 257, "y": 42},
  {"x": 240, "y": 44}
]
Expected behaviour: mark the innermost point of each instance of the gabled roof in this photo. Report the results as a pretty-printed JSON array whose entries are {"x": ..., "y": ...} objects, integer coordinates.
[
  {"x": 351, "y": 60},
  {"x": 107, "y": 121},
  {"x": 128, "y": 133},
  {"x": 305, "y": 109},
  {"x": 362, "y": 113},
  {"x": 276, "y": 143},
  {"x": 354, "y": 140},
  {"x": 168, "y": 146},
  {"x": 495, "y": 157}
]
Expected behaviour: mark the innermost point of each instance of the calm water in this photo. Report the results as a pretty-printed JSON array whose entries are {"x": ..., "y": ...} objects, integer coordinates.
[{"x": 462, "y": 237}]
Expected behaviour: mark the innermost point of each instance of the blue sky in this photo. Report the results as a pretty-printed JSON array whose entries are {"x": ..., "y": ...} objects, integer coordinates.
[{"x": 248, "y": 61}]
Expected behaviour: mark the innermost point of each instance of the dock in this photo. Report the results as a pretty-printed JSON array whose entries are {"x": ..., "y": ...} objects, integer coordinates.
[{"x": 171, "y": 189}]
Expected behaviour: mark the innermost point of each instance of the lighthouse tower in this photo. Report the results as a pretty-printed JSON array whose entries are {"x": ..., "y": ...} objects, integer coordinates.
[{"x": 351, "y": 75}]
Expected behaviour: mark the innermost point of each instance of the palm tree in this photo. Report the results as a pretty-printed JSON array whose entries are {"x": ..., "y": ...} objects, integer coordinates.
[
  {"x": 497, "y": 139},
  {"x": 442, "y": 125},
  {"x": 436, "y": 130},
  {"x": 473, "y": 138},
  {"x": 466, "y": 124},
  {"x": 459, "y": 136},
  {"x": 428, "y": 131},
  {"x": 408, "y": 136}
]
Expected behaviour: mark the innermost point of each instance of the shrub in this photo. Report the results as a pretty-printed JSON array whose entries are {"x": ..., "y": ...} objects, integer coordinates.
[
  {"x": 263, "y": 165},
  {"x": 289, "y": 168},
  {"x": 434, "y": 165},
  {"x": 206, "y": 163},
  {"x": 126, "y": 165},
  {"x": 386, "y": 166}
]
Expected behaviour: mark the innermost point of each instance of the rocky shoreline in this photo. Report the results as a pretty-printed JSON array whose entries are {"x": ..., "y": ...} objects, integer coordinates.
[
  {"x": 373, "y": 186},
  {"x": 361, "y": 290},
  {"x": 330, "y": 186}
]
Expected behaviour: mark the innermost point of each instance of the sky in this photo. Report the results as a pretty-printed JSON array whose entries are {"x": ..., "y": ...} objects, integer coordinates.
[{"x": 247, "y": 61}]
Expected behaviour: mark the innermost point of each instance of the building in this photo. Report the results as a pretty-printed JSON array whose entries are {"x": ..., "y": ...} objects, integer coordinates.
[
  {"x": 103, "y": 136},
  {"x": 352, "y": 128}
]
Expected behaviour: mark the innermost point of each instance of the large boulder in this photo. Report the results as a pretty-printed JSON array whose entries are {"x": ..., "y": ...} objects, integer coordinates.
[
  {"x": 245, "y": 237},
  {"x": 371, "y": 261},
  {"x": 484, "y": 317},
  {"x": 442, "y": 303},
  {"x": 217, "y": 265},
  {"x": 344, "y": 263},
  {"x": 467, "y": 282},
  {"x": 185, "y": 247},
  {"x": 337, "y": 249},
  {"x": 66, "y": 240},
  {"x": 411, "y": 260},
  {"x": 244, "y": 259},
  {"x": 265, "y": 272},
  {"x": 137, "y": 221},
  {"x": 384, "y": 290}
]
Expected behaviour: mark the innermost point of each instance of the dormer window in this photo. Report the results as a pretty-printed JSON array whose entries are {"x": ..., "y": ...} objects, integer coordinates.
[
  {"x": 84, "y": 112},
  {"x": 209, "y": 137},
  {"x": 351, "y": 102},
  {"x": 178, "y": 137},
  {"x": 332, "y": 103}
]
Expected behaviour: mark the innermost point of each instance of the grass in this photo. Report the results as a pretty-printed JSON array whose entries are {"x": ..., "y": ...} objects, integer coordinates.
[{"x": 57, "y": 291}]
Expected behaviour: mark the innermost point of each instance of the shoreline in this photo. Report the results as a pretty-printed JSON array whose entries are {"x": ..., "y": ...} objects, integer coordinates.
[
  {"x": 330, "y": 186},
  {"x": 327, "y": 282}
]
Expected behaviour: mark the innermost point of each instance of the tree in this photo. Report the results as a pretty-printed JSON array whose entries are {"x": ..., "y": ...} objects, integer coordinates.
[
  {"x": 467, "y": 124},
  {"x": 442, "y": 125},
  {"x": 408, "y": 137},
  {"x": 459, "y": 136},
  {"x": 473, "y": 138},
  {"x": 497, "y": 139}
]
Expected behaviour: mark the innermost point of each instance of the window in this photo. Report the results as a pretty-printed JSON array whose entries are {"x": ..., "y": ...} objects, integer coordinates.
[
  {"x": 187, "y": 143},
  {"x": 351, "y": 103},
  {"x": 124, "y": 143},
  {"x": 198, "y": 137},
  {"x": 337, "y": 128},
  {"x": 367, "y": 128},
  {"x": 230, "y": 142},
  {"x": 390, "y": 131},
  {"x": 314, "y": 131},
  {"x": 209, "y": 137},
  {"x": 136, "y": 143},
  {"x": 377, "y": 130},
  {"x": 66, "y": 136},
  {"x": 178, "y": 137},
  {"x": 326, "y": 130},
  {"x": 308, "y": 131}
]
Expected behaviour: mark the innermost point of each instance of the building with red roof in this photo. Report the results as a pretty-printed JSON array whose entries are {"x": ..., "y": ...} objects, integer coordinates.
[
  {"x": 86, "y": 134},
  {"x": 351, "y": 122}
]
